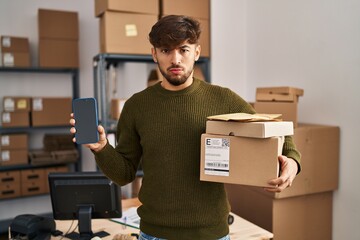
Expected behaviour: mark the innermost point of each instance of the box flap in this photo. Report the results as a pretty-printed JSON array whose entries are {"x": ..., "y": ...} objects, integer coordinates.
[{"x": 246, "y": 117}]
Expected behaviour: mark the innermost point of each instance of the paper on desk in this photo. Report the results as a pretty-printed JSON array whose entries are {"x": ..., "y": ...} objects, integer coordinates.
[
  {"x": 129, "y": 218},
  {"x": 246, "y": 117}
]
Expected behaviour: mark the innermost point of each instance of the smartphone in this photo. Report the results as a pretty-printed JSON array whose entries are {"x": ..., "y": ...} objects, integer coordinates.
[{"x": 86, "y": 120}]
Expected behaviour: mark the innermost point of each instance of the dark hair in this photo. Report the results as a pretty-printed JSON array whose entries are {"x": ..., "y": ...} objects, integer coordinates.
[{"x": 170, "y": 31}]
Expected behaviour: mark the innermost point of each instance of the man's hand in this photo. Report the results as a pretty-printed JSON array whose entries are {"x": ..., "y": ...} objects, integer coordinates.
[
  {"x": 288, "y": 168},
  {"x": 93, "y": 146}
]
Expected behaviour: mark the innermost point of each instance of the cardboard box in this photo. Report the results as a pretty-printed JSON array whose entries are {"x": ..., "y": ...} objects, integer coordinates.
[
  {"x": 15, "y": 119},
  {"x": 239, "y": 160},
  {"x": 55, "y": 24},
  {"x": 295, "y": 218},
  {"x": 33, "y": 182},
  {"x": 16, "y": 104},
  {"x": 117, "y": 105},
  {"x": 281, "y": 90},
  {"x": 125, "y": 33},
  {"x": 51, "y": 111},
  {"x": 15, "y": 59},
  {"x": 10, "y": 184},
  {"x": 198, "y": 9},
  {"x": 288, "y": 110},
  {"x": 134, "y": 6},
  {"x": 13, "y": 141},
  {"x": 58, "y": 53},
  {"x": 13, "y": 157},
  {"x": 250, "y": 129},
  {"x": 14, "y": 44}
]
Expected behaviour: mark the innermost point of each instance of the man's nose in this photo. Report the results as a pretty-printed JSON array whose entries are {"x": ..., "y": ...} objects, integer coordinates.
[{"x": 176, "y": 57}]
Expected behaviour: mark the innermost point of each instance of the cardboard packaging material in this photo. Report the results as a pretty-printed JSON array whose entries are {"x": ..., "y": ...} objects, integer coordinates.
[
  {"x": 289, "y": 110},
  {"x": 239, "y": 160},
  {"x": 198, "y": 9},
  {"x": 33, "y": 182},
  {"x": 296, "y": 218},
  {"x": 117, "y": 105},
  {"x": 13, "y": 157},
  {"x": 58, "y": 53},
  {"x": 15, "y": 119},
  {"x": 125, "y": 33},
  {"x": 13, "y": 141},
  {"x": 51, "y": 111},
  {"x": 14, "y": 52},
  {"x": 279, "y": 94},
  {"x": 55, "y": 24},
  {"x": 134, "y": 6},
  {"x": 10, "y": 184},
  {"x": 250, "y": 129},
  {"x": 16, "y": 104}
]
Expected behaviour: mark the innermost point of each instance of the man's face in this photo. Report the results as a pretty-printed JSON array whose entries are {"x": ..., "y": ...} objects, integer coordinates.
[{"x": 177, "y": 64}]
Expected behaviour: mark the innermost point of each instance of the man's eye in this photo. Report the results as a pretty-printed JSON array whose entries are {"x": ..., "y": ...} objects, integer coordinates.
[{"x": 164, "y": 50}]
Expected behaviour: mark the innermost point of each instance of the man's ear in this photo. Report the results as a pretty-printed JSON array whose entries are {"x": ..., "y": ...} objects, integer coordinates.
[
  {"x": 197, "y": 52},
  {"x": 153, "y": 53}
]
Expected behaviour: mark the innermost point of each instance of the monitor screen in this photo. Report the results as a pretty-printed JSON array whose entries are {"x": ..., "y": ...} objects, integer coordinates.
[{"x": 84, "y": 196}]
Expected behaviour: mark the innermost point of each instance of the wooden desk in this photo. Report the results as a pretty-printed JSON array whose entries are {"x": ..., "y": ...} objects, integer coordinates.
[{"x": 241, "y": 229}]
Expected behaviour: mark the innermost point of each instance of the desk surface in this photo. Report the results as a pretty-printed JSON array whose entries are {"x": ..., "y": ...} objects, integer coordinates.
[{"x": 241, "y": 229}]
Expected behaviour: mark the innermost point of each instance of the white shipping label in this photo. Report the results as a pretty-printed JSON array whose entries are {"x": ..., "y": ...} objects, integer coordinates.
[
  {"x": 37, "y": 104},
  {"x": 9, "y": 60},
  {"x": 5, "y": 156},
  {"x": 9, "y": 104},
  {"x": 6, "y": 117},
  {"x": 217, "y": 156},
  {"x": 6, "y": 42},
  {"x": 131, "y": 30},
  {"x": 5, "y": 140}
]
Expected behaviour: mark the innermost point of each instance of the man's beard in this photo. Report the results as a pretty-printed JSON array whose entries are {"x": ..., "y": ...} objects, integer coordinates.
[{"x": 177, "y": 80}]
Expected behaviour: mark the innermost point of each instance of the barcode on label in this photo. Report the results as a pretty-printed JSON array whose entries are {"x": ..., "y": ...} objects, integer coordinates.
[{"x": 221, "y": 165}]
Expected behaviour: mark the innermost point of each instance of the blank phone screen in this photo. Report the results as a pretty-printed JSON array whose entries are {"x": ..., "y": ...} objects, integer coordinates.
[{"x": 86, "y": 120}]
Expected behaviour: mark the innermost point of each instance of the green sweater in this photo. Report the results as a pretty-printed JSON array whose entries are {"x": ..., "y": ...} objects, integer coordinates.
[{"x": 162, "y": 129}]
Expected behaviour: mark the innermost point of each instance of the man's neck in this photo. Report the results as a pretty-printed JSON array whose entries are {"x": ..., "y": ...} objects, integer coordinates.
[{"x": 168, "y": 86}]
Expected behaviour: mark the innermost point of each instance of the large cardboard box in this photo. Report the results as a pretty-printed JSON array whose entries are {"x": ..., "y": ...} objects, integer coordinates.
[
  {"x": 13, "y": 157},
  {"x": 289, "y": 110},
  {"x": 240, "y": 160},
  {"x": 51, "y": 111},
  {"x": 15, "y": 119},
  {"x": 55, "y": 24},
  {"x": 13, "y": 141},
  {"x": 134, "y": 6},
  {"x": 33, "y": 181},
  {"x": 250, "y": 129},
  {"x": 125, "y": 33},
  {"x": 198, "y": 8},
  {"x": 16, "y": 104},
  {"x": 10, "y": 184},
  {"x": 58, "y": 53},
  {"x": 306, "y": 217}
]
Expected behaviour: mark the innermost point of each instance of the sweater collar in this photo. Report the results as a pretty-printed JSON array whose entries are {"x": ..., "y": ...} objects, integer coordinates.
[{"x": 190, "y": 89}]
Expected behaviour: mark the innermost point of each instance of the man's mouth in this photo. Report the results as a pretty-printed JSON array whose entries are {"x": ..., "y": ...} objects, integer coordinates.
[{"x": 176, "y": 70}]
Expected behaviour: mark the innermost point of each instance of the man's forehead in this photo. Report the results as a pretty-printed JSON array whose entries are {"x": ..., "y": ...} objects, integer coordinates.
[{"x": 184, "y": 44}]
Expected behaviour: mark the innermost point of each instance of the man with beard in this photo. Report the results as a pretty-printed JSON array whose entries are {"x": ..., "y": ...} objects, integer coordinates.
[{"x": 162, "y": 126}]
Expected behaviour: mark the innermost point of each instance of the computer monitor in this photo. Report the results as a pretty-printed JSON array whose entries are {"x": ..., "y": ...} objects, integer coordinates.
[{"x": 84, "y": 196}]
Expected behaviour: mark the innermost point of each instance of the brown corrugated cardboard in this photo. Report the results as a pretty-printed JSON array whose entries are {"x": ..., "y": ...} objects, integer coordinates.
[
  {"x": 10, "y": 184},
  {"x": 134, "y": 6},
  {"x": 56, "y": 24},
  {"x": 125, "y": 33},
  {"x": 13, "y": 141},
  {"x": 15, "y": 59},
  {"x": 14, "y": 44},
  {"x": 198, "y": 9},
  {"x": 16, "y": 104},
  {"x": 117, "y": 105},
  {"x": 51, "y": 111},
  {"x": 281, "y": 90},
  {"x": 15, "y": 119},
  {"x": 33, "y": 182},
  {"x": 250, "y": 129},
  {"x": 295, "y": 218},
  {"x": 58, "y": 53},
  {"x": 287, "y": 109},
  {"x": 13, "y": 157},
  {"x": 240, "y": 160}
]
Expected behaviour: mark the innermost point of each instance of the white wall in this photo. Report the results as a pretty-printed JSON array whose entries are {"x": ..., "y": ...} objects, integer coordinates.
[{"x": 309, "y": 44}]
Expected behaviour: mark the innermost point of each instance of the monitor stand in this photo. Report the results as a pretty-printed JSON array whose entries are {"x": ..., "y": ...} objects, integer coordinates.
[{"x": 85, "y": 232}]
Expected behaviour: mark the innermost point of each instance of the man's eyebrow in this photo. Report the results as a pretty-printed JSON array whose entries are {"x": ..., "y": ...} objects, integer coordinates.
[{"x": 184, "y": 46}]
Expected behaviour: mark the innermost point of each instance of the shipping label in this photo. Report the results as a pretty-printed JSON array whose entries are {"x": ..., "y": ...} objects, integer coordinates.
[{"x": 217, "y": 156}]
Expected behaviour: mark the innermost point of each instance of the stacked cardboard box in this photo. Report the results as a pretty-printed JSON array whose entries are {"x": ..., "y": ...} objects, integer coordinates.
[
  {"x": 303, "y": 211},
  {"x": 200, "y": 10},
  {"x": 16, "y": 111},
  {"x": 242, "y": 152},
  {"x": 14, "y": 51},
  {"x": 283, "y": 100},
  {"x": 13, "y": 149},
  {"x": 51, "y": 111},
  {"x": 125, "y": 25},
  {"x": 58, "y": 38}
]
